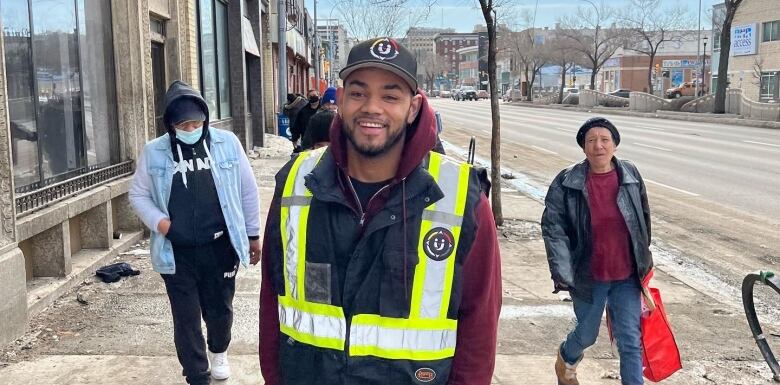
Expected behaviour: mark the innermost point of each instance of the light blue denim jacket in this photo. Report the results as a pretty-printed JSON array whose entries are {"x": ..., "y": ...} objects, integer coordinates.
[{"x": 236, "y": 187}]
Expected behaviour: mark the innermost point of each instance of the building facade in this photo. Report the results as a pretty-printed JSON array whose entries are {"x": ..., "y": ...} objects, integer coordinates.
[
  {"x": 82, "y": 84},
  {"x": 335, "y": 42},
  {"x": 676, "y": 62},
  {"x": 754, "y": 63},
  {"x": 447, "y": 45}
]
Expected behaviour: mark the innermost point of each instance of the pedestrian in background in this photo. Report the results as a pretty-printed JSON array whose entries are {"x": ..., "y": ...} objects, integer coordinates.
[
  {"x": 195, "y": 190},
  {"x": 596, "y": 229},
  {"x": 294, "y": 104},
  {"x": 380, "y": 261},
  {"x": 303, "y": 116},
  {"x": 329, "y": 101},
  {"x": 318, "y": 132}
]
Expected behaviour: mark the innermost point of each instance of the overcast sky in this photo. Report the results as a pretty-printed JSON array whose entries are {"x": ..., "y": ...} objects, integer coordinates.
[{"x": 463, "y": 15}]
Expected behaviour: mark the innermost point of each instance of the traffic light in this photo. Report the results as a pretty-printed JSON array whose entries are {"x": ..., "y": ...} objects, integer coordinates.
[{"x": 657, "y": 68}]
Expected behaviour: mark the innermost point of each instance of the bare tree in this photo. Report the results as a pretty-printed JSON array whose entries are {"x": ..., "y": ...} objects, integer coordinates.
[
  {"x": 489, "y": 13},
  {"x": 432, "y": 66},
  {"x": 719, "y": 105},
  {"x": 562, "y": 55},
  {"x": 528, "y": 52},
  {"x": 650, "y": 27},
  {"x": 373, "y": 18},
  {"x": 593, "y": 33}
]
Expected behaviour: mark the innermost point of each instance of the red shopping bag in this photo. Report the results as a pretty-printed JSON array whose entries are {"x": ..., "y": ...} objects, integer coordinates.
[{"x": 660, "y": 355}]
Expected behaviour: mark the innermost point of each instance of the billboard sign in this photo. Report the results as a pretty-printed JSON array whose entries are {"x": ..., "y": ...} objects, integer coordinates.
[{"x": 744, "y": 39}]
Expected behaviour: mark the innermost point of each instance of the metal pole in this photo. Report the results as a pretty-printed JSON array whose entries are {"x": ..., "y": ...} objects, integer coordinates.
[
  {"x": 698, "y": 51},
  {"x": 317, "y": 48},
  {"x": 703, "y": 59},
  {"x": 282, "y": 42}
]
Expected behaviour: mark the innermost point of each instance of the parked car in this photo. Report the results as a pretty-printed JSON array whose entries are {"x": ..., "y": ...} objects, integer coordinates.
[
  {"x": 454, "y": 93},
  {"x": 684, "y": 89},
  {"x": 570, "y": 90},
  {"x": 621, "y": 93},
  {"x": 445, "y": 94},
  {"x": 467, "y": 93},
  {"x": 483, "y": 94},
  {"x": 435, "y": 93}
]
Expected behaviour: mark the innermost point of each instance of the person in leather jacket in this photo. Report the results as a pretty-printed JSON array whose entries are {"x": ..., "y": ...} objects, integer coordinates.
[{"x": 596, "y": 229}]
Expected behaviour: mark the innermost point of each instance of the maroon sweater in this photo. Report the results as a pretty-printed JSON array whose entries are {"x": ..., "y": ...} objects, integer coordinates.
[
  {"x": 611, "y": 258},
  {"x": 480, "y": 306}
]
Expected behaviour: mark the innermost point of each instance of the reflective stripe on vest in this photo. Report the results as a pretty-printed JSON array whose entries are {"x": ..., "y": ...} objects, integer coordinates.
[
  {"x": 427, "y": 334},
  {"x": 312, "y": 323}
]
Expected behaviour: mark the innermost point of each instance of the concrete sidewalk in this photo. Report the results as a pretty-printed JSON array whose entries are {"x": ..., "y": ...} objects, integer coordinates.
[{"x": 122, "y": 334}]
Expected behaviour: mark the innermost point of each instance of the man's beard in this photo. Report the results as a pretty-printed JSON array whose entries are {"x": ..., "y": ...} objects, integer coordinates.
[{"x": 369, "y": 151}]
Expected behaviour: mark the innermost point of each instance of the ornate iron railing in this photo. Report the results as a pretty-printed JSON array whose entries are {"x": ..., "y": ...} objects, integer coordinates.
[{"x": 37, "y": 199}]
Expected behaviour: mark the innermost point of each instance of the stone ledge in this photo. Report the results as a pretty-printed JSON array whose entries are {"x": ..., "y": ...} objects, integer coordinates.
[{"x": 42, "y": 292}]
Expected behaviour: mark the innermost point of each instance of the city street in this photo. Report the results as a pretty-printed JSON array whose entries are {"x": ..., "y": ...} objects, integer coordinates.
[{"x": 713, "y": 188}]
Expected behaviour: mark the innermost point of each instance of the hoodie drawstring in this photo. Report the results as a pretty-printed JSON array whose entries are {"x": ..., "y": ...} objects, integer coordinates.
[{"x": 182, "y": 168}]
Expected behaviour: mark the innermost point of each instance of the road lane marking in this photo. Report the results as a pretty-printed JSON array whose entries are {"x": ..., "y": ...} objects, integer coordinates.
[
  {"x": 653, "y": 147},
  {"x": 544, "y": 150},
  {"x": 762, "y": 143},
  {"x": 563, "y": 129},
  {"x": 672, "y": 188}
]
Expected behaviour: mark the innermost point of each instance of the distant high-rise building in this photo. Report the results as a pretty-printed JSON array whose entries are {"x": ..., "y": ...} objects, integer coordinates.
[{"x": 336, "y": 42}]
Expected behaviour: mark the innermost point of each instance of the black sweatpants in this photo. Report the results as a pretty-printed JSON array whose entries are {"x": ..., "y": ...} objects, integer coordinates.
[{"x": 204, "y": 285}]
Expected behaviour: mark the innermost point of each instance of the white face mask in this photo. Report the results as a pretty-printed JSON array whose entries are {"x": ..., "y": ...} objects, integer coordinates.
[{"x": 189, "y": 137}]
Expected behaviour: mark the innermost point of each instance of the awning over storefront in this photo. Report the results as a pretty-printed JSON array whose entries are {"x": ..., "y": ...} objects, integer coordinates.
[{"x": 250, "y": 44}]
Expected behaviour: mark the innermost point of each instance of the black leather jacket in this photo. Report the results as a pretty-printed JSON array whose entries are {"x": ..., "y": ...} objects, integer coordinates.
[{"x": 566, "y": 225}]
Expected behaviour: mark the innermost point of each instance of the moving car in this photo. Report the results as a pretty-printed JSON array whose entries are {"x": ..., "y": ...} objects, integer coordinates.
[
  {"x": 445, "y": 94},
  {"x": 467, "y": 93},
  {"x": 621, "y": 93},
  {"x": 511, "y": 95},
  {"x": 684, "y": 89}
]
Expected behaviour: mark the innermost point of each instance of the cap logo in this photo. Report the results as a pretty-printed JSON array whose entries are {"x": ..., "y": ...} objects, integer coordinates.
[{"x": 384, "y": 49}]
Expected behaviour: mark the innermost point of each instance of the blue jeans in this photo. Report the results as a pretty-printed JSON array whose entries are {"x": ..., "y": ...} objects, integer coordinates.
[{"x": 624, "y": 299}]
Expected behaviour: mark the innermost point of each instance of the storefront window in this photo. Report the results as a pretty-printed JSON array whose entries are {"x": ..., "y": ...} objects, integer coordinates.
[
  {"x": 62, "y": 122},
  {"x": 769, "y": 86},
  {"x": 21, "y": 103},
  {"x": 98, "y": 83},
  {"x": 215, "y": 70}
]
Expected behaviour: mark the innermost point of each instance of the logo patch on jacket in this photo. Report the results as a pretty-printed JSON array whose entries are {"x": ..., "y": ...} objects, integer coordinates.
[
  {"x": 425, "y": 375},
  {"x": 438, "y": 244}
]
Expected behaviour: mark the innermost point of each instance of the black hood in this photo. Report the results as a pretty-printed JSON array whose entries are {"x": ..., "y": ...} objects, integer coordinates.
[{"x": 177, "y": 90}]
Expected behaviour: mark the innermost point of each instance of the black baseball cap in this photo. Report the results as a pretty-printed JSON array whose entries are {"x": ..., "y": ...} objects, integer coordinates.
[{"x": 384, "y": 53}]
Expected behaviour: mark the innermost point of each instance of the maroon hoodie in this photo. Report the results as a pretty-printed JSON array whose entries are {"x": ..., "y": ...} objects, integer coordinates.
[{"x": 481, "y": 296}]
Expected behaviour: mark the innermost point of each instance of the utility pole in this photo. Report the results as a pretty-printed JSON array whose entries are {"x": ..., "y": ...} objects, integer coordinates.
[
  {"x": 698, "y": 53},
  {"x": 317, "y": 50},
  {"x": 282, "y": 42}
]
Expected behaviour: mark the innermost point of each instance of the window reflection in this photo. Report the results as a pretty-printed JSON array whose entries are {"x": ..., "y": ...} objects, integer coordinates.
[{"x": 21, "y": 105}]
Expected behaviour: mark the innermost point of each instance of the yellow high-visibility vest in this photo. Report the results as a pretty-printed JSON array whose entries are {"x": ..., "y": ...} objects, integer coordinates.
[{"x": 427, "y": 334}]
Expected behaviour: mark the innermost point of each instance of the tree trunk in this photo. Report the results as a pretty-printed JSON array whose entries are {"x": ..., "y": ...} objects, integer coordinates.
[
  {"x": 719, "y": 106},
  {"x": 593, "y": 78},
  {"x": 526, "y": 89},
  {"x": 650, "y": 77},
  {"x": 531, "y": 86},
  {"x": 495, "y": 143}
]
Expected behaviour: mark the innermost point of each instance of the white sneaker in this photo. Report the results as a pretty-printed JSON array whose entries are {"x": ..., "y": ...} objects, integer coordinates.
[{"x": 220, "y": 368}]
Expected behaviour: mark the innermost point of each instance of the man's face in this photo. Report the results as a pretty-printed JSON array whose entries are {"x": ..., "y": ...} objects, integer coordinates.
[
  {"x": 376, "y": 106},
  {"x": 599, "y": 147}
]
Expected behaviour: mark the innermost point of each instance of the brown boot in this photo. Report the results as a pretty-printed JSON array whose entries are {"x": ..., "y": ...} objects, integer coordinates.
[{"x": 567, "y": 373}]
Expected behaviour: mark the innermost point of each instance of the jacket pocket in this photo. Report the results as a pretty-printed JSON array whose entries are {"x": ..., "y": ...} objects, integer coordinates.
[{"x": 395, "y": 286}]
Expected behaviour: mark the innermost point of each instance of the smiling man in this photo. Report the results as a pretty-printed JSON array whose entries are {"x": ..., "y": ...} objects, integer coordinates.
[{"x": 380, "y": 261}]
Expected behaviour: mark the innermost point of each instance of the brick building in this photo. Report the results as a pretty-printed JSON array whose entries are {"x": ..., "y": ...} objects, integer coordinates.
[{"x": 447, "y": 45}]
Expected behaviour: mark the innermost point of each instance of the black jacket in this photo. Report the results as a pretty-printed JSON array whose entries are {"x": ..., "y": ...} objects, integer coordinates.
[{"x": 567, "y": 231}]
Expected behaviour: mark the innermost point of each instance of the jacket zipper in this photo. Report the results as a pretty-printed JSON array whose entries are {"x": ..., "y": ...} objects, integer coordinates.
[
  {"x": 362, "y": 215},
  {"x": 195, "y": 200}
]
